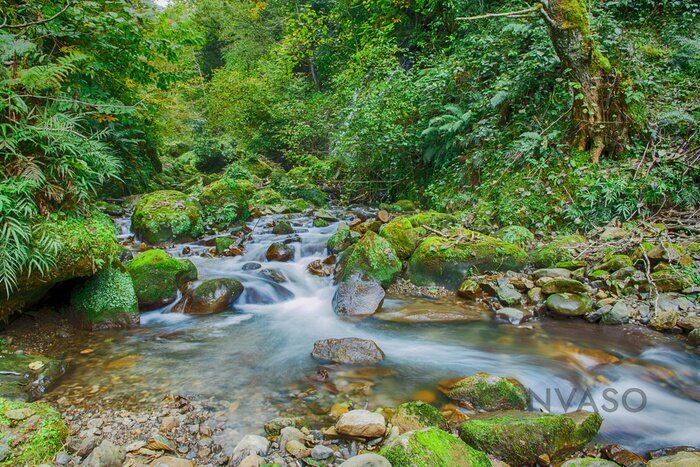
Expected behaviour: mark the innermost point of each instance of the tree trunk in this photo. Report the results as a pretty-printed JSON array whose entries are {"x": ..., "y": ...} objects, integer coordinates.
[{"x": 599, "y": 119}]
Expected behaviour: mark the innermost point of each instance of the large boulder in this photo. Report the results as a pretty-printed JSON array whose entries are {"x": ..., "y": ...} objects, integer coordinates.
[
  {"x": 446, "y": 260},
  {"x": 85, "y": 244},
  {"x": 106, "y": 300},
  {"x": 157, "y": 277},
  {"x": 416, "y": 415},
  {"x": 401, "y": 235},
  {"x": 357, "y": 297},
  {"x": 166, "y": 216},
  {"x": 213, "y": 296},
  {"x": 33, "y": 433},
  {"x": 348, "y": 350},
  {"x": 559, "y": 250},
  {"x": 225, "y": 201},
  {"x": 519, "y": 438},
  {"x": 372, "y": 257},
  {"x": 361, "y": 424},
  {"x": 27, "y": 377},
  {"x": 487, "y": 392},
  {"x": 432, "y": 447}
]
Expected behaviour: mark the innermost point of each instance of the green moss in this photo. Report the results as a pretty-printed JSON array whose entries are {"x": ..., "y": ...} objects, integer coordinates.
[
  {"x": 321, "y": 223},
  {"x": 614, "y": 262},
  {"x": 432, "y": 447},
  {"x": 402, "y": 205},
  {"x": 445, "y": 261},
  {"x": 282, "y": 228},
  {"x": 38, "y": 441},
  {"x": 561, "y": 249},
  {"x": 157, "y": 277},
  {"x": 106, "y": 300},
  {"x": 671, "y": 280},
  {"x": 432, "y": 219},
  {"x": 401, "y": 235},
  {"x": 267, "y": 197},
  {"x": 222, "y": 244},
  {"x": 521, "y": 437},
  {"x": 416, "y": 415},
  {"x": 341, "y": 239},
  {"x": 86, "y": 245},
  {"x": 515, "y": 234},
  {"x": 298, "y": 205},
  {"x": 225, "y": 201},
  {"x": 487, "y": 392},
  {"x": 166, "y": 215},
  {"x": 599, "y": 275},
  {"x": 373, "y": 257}
]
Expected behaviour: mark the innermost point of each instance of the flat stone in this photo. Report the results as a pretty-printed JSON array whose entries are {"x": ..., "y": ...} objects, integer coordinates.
[
  {"x": 362, "y": 424},
  {"x": 366, "y": 460},
  {"x": 347, "y": 350},
  {"x": 297, "y": 449}
]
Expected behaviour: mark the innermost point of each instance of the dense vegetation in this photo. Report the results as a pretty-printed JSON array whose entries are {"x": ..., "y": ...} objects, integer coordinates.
[{"x": 372, "y": 101}]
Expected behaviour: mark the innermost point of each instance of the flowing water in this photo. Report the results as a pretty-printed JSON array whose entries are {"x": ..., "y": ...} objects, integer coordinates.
[{"x": 254, "y": 359}]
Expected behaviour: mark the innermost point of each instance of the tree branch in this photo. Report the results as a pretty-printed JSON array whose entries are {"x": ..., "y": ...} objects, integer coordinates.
[
  {"x": 34, "y": 23},
  {"x": 510, "y": 14}
]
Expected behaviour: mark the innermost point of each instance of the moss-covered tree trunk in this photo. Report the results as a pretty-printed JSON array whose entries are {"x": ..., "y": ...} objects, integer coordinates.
[{"x": 599, "y": 119}]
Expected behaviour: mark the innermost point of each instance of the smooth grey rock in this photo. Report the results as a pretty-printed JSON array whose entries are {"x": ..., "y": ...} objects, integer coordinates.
[
  {"x": 361, "y": 423},
  {"x": 358, "y": 297},
  {"x": 347, "y": 350},
  {"x": 249, "y": 445},
  {"x": 618, "y": 314},
  {"x": 321, "y": 452}
]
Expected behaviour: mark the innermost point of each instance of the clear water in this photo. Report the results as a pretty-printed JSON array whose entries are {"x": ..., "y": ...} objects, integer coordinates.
[{"x": 254, "y": 360}]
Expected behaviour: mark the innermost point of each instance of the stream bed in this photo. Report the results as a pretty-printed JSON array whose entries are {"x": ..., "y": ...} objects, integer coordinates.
[{"x": 253, "y": 362}]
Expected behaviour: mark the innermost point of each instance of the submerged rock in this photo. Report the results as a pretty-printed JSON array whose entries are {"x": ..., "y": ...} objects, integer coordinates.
[
  {"x": 569, "y": 304},
  {"x": 347, "y": 350},
  {"x": 107, "y": 300},
  {"x": 417, "y": 415},
  {"x": 157, "y": 277},
  {"x": 166, "y": 216},
  {"x": 432, "y": 447},
  {"x": 361, "y": 424},
  {"x": 33, "y": 433},
  {"x": 445, "y": 261},
  {"x": 213, "y": 296},
  {"x": 518, "y": 437},
  {"x": 487, "y": 392},
  {"x": 28, "y": 377},
  {"x": 279, "y": 252},
  {"x": 357, "y": 297}
]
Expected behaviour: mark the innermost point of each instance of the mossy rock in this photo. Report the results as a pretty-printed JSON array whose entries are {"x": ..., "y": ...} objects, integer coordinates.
[
  {"x": 297, "y": 205},
  {"x": 417, "y": 415},
  {"x": 165, "y": 216},
  {"x": 569, "y": 304},
  {"x": 557, "y": 251},
  {"x": 432, "y": 447},
  {"x": 614, "y": 263},
  {"x": 267, "y": 197},
  {"x": 282, "y": 228},
  {"x": 157, "y": 277},
  {"x": 106, "y": 300},
  {"x": 519, "y": 437},
  {"x": 432, "y": 219},
  {"x": 515, "y": 234},
  {"x": 86, "y": 244},
  {"x": 28, "y": 377},
  {"x": 225, "y": 201},
  {"x": 341, "y": 239},
  {"x": 222, "y": 244},
  {"x": 402, "y": 205},
  {"x": 669, "y": 280},
  {"x": 401, "y": 235},
  {"x": 372, "y": 257},
  {"x": 34, "y": 432},
  {"x": 446, "y": 261},
  {"x": 562, "y": 285},
  {"x": 488, "y": 392},
  {"x": 320, "y": 223}
]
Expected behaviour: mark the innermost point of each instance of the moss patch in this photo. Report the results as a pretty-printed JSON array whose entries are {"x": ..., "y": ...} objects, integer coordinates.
[
  {"x": 556, "y": 251},
  {"x": 374, "y": 258},
  {"x": 515, "y": 234},
  {"x": 106, "y": 300},
  {"x": 401, "y": 235},
  {"x": 35, "y": 439},
  {"x": 488, "y": 392},
  {"x": 157, "y": 277},
  {"x": 416, "y": 415},
  {"x": 446, "y": 261},
  {"x": 520, "y": 437},
  {"x": 166, "y": 215},
  {"x": 432, "y": 447}
]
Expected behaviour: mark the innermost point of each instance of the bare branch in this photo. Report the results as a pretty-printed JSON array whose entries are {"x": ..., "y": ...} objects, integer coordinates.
[
  {"x": 34, "y": 23},
  {"x": 509, "y": 14}
]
